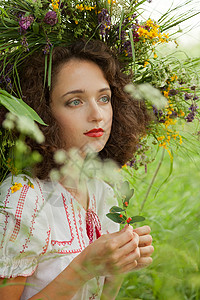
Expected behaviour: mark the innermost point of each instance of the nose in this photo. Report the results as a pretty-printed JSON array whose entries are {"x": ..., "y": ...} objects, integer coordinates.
[{"x": 94, "y": 112}]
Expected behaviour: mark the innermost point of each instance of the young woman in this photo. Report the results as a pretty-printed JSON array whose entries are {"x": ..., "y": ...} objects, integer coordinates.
[{"x": 56, "y": 241}]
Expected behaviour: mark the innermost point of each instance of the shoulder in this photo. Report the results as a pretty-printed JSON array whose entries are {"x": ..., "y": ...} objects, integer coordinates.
[
  {"x": 25, "y": 226},
  {"x": 19, "y": 188}
]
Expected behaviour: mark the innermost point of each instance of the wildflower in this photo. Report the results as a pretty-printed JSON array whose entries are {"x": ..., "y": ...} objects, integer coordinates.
[
  {"x": 155, "y": 55},
  {"x": 51, "y": 18},
  {"x": 25, "y": 22},
  {"x": 76, "y": 22},
  {"x": 188, "y": 96},
  {"x": 146, "y": 63},
  {"x": 193, "y": 110},
  {"x": 173, "y": 92},
  {"x": 60, "y": 156},
  {"x": 166, "y": 94},
  {"x": 16, "y": 187},
  {"x": 25, "y": 44},
  {"x": 174, "y": 77},
  {"x": 195, "y": 97},
  {"x": 47, "y": 47},
  {"x": 55, "y": 4},
  {"x": 104, "y": 20},
  {"x": 31, "y": 185}
]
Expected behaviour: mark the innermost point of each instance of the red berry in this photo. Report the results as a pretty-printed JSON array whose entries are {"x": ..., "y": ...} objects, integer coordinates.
[
  {"x": 128, "y": 220},
  {"x": 121, "y": 216},
  {"x": 126, "y": 203}
]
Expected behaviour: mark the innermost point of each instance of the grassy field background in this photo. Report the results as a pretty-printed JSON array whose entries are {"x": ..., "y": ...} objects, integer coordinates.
[{"x": 173, "y": 212}]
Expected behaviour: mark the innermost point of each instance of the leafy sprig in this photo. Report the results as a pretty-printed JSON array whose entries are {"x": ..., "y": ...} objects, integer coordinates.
[{"x": 119, "y": 215}]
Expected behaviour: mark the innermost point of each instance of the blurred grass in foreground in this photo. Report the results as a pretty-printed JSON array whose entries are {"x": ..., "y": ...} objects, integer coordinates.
[{"x": 174, "y": 218}]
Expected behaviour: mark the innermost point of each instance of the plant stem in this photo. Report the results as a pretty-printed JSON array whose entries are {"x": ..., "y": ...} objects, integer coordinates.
[{"x": 152, "y": 181}]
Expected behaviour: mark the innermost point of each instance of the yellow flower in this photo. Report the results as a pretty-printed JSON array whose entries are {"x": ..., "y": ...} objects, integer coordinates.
[
  {"x": 31, "y": 185},
  {"x": 155, "y": 55},
  {"x": 55, "y": 4},
  {"x": 16, "y": 187},
  {"x": 166, "y": 93},
  {"x": 146, "y": 63},
  {"x": 76, "y": 22},
  {"x": 160, "y": 138}
]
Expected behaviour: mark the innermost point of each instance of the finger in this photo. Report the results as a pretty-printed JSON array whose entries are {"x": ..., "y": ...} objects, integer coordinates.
[
  {"x": 142, "y": 230},
  {"x": 143, "y": 262},
  {"x": 146, "y": 251},
  {"x": 128, "y": 247},
  {"x": 121, "y": 238},
  {"x": 145, "y": 240},
  {"x": 129, "y": 267},
  {"x": 128, "y": 259}
]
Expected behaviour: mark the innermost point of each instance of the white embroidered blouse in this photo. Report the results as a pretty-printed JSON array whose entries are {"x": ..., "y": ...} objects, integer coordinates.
[{"x": 42, "y": 229}]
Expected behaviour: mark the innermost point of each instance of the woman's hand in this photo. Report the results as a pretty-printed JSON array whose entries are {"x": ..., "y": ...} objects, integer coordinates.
[
  {"x": 111, "y": 254},
  {"x": 146, "y": 249}
]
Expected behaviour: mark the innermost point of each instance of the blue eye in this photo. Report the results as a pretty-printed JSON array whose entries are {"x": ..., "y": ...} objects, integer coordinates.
[
  {"x": 73, "y": 103},
  {"x": 105, "y": 99}
]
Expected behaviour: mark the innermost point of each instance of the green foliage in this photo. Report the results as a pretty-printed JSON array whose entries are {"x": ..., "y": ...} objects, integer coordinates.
[
  {"x": 172, "y": 211},
  {"x": 18, "y": 106}
]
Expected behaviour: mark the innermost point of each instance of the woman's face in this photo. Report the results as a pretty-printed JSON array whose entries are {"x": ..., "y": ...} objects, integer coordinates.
[{"x": 81, "y": 104}]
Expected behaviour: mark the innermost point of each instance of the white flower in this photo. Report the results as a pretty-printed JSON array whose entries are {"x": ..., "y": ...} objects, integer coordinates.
[
  {"x": 28, "y": 127},
  {"x": 8, "y": 124},
  {"x": 60, "y": 156},
  {"x": 54, "y": 175}
]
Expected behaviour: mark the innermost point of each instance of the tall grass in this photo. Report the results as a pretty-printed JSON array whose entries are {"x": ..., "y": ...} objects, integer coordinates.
[{"x": 172, "y": 211}]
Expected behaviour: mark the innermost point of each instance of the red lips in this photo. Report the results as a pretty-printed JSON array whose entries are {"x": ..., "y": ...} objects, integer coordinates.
[{"x": 96, "y": 132}]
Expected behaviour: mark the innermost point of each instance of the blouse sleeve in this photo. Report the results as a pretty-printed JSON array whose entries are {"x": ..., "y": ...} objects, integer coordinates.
[{"x": 24, "y": 229}]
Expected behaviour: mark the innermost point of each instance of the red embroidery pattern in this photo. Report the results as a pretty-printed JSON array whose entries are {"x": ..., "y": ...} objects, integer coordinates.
[
  {"x": 64, "y": 243},
  {"x": 93, "y": 225},
  {"x": 40, "y": 190},
  {"x": 6, "y": 217},
  {"x": 18, "y": 214},
  {"x": 93, "y": 203},
  {"x": 80, "y": 227},
  {"x": 46, "y": 241},
  {"x": 32, "y": 226},
  {"x": 71, "y": 228}
]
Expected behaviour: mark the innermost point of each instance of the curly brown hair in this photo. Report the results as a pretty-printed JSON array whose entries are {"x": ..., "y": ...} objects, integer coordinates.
[{"x": 130, "y": 117}]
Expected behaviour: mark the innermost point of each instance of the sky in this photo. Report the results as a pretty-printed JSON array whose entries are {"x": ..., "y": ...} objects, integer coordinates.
[{"x": 157, "y": 7}]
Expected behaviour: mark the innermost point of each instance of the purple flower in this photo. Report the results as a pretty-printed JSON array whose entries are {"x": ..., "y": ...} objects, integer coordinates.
[
  {"x": 193, "y": 110},
  {"x": 173, "y": 92},
  {"x": 25, "y": 22},
  {"x": 25, "y": 44},
  {"x": 196, "y": 97},
  {"x": 51, "y": 18},
  {"x": 104, "y": 20},
  {"x": 47, "y": 47},
  {"x": 188, "y": 96}
]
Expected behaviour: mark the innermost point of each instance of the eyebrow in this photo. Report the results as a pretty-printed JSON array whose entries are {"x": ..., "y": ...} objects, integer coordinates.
[{"x": 83, "y": 91}]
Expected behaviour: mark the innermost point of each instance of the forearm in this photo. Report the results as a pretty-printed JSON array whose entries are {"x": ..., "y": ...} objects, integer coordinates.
[
  {"x": 111, "y": 287},
  {"x": 66, "y": 284}
]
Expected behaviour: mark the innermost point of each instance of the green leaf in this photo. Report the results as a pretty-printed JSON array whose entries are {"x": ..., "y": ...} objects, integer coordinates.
[
  {"x": 116, "y": 209},
  {"x": 18, "y": 107},
  {"x": 136, "y": 219},
  {"x": 115, "y": 217},
  {"x": 36, "y": 28},
  {"x": 126, "y": 191},
  {"x": 132, "y": 44},
  {"x": 50, "y": 67}
]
